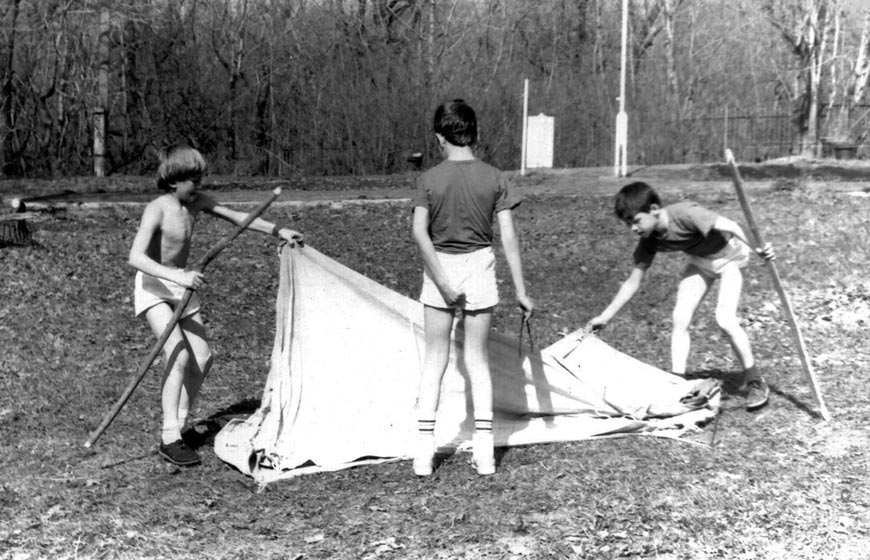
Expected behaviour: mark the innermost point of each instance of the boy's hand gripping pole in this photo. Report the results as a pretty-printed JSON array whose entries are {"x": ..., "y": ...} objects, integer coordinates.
[
  {"x": 777, "y": 283},
  {"x": 176, "y": 316}
]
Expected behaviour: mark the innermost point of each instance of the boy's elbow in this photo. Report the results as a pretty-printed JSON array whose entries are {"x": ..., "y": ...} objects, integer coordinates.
[
  {"x": 509, "y": 238},
  {"x": 134, "y": 259},
  {"x": 419, "y": 236}
]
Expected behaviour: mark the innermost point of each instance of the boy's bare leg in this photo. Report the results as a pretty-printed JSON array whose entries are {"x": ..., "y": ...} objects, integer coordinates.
[
  {"x": 726, "y": 316},
  {"x": 691, "y": 291},
  {"x": 477, "y": 328},
  {"x": 176, "y": 355},
  {"x": 730, "y": 286},
  {"x": 197, "y": 367},
  {"x": 437, "y": 325}
]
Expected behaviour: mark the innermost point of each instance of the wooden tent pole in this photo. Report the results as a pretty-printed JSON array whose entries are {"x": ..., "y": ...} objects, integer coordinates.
[
  {"x": 777, "y": 284},
  {"x": 176, "y": 316}
]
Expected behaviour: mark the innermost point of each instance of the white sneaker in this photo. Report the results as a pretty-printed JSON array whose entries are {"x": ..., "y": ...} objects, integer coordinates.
[
  {"x": 483, "y": 456},
  {"x": 425, "y": 456}
]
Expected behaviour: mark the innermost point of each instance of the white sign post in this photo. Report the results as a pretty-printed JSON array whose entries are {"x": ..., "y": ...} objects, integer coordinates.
[
  {"x": 539, "y": 151},
  {"x": 619, "y": 157}
]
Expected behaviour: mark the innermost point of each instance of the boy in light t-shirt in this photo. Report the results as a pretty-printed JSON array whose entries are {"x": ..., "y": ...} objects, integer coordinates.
[{"x": 716, "y": 247}]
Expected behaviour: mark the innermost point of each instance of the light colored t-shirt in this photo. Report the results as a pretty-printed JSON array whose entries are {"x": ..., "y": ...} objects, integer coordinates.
[
  {"x": 690, "y": 230},
  {"x": 462, "y": 198}
]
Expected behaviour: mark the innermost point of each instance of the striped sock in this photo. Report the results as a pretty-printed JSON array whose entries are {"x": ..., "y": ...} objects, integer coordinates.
[
  {"x": 483, "y": 426},
  {"x": 426, "y": 427},
  {"x": 424, "y": 453},
  {"x": 482, "y": 450}
]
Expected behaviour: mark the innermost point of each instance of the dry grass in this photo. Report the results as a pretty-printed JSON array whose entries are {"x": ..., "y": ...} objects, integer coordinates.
[{"x": 777, "y": 484}]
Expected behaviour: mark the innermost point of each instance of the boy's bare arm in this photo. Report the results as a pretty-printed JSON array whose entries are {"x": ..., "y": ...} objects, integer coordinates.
[
  {"x": 209, "y": 205},
  {"x": 511, "y": 245},
  {"x": 728, "y": 226},
  {"x": 626, "y": 291}
]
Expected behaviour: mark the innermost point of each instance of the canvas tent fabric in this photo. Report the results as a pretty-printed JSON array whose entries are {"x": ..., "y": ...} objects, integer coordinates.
[{"x": 344, "y": 375}]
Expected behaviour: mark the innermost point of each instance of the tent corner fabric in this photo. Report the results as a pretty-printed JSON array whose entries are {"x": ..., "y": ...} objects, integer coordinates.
[{"x": 345, "y": 366}]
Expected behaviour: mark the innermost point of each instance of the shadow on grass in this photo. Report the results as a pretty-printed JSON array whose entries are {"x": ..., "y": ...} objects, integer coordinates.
[
  {"x": 204, "y": 431},
  {"x": 809, "y": 409},
  {"x": 732, "y": 386},
  {"x": 731, "y": 380},
  {"x": 242, "y": 408}
]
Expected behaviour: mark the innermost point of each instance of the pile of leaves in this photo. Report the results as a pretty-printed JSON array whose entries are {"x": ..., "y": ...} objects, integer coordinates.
[{"x": 779, "y": 483}]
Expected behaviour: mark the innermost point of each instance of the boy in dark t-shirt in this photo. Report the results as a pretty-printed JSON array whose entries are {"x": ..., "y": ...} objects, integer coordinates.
[
  {"x": 456, "y": 204},
  {"x": 716, "y": 247}
]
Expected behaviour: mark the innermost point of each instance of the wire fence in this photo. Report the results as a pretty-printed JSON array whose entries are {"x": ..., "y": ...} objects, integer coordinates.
[{"x": 753, "y": 135}]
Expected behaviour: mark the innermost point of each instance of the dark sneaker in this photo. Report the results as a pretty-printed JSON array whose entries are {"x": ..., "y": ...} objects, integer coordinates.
[
  {"x": 178, "y": 453},
  {"x": 757, "y": 394}
]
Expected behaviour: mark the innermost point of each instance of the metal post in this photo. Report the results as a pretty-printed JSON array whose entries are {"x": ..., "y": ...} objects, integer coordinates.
[
  {"x": 524, "y": 148},
  {"x": 620, "y": 155}
]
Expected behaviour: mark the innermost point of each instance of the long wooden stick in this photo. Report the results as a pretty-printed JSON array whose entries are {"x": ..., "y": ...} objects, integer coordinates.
[
  {"x": 777, "y": 283},
  {"x": 176, "y": 316}
]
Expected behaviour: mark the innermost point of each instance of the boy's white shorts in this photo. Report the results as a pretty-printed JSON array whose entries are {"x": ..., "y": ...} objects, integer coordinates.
[
  {"x": 470, "y": 273},
  {"x": 735, "y": 253},
  {"x": 150, "y": 291}
]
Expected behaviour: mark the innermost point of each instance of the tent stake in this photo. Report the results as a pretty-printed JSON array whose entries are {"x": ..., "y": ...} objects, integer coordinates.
[
  {"x": 777, "y": 283},
  {"x": 176, "y": 316}
]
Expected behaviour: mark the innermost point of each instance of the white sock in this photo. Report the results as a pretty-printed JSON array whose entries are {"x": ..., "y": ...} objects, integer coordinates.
[
  {"x": 482, "y": 439},
  {"x": 171, "y": 432}
]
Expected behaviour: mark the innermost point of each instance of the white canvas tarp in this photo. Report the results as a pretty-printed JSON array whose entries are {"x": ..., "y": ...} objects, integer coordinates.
[{"x": 345, "y": 367}]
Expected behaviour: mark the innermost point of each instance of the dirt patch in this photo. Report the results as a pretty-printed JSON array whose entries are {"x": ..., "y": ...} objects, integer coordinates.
[{"x": 778, "y": 484}]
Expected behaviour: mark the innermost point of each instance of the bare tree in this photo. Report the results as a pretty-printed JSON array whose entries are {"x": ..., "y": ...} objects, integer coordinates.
[
  {"x": 860, "y": 73},
  {"x": 9, "y": 148},
  {"x": 807, "y": 26}
]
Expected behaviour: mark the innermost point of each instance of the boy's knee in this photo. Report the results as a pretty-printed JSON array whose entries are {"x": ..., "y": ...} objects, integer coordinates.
[
  {"x": 177, "y": 355},
  {"x": 727, "y": 322},
  {"x": 681, "y": 320},
  {"x": 205, "y": 362}
]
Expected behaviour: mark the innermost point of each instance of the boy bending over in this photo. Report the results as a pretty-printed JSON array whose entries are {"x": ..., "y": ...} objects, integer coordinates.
[
  {"x": 159, "y": 254},
  {"x": 716, "y": 247}
]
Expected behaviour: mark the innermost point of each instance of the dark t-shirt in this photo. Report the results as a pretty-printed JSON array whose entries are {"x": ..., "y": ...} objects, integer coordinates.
[
  {"x": 462, "y": 198},
  {"x": 690, "y": 230}
]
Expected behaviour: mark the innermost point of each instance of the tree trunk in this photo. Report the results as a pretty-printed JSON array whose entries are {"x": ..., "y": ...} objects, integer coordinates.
[
  {"x": 861, "y": 70},
  {"x": 102, "y": 109},
  {"x": 13, "y": 227},
  {"x": 807, "y": 33},
  {"x": 9, "y": 157}
]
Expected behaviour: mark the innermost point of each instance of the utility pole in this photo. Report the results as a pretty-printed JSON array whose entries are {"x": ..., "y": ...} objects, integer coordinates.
[
  {"x": 620, "y": 155},
  {"x": 525, "y": 145}
]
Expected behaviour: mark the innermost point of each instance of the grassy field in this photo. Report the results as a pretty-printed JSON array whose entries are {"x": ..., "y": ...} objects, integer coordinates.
[{"x": 776, "y": 484}]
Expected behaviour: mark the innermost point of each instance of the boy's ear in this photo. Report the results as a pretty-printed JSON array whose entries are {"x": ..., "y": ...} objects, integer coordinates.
[{"x": 654, "y": 208}]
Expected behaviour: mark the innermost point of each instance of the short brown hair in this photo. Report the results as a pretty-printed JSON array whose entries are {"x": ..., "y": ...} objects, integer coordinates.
[
  {"x": 456, "y": 122},
  {"x": 177, "y": 164},
  {"x": 633, "y": 199}
]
